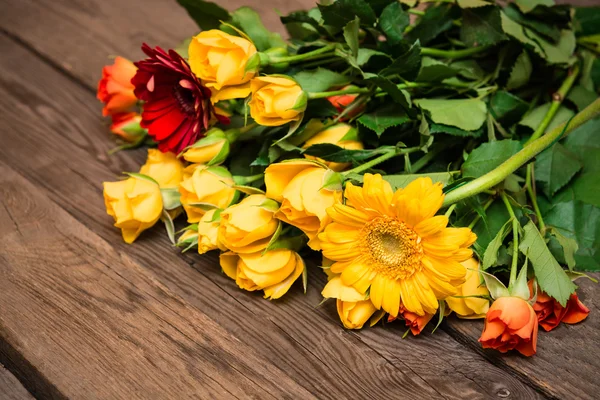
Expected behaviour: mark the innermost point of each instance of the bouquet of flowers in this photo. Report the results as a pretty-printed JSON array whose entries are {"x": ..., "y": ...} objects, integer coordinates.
[{"x": 441, "y": 157}]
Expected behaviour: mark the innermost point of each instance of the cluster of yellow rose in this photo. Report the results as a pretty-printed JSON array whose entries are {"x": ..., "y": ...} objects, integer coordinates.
[{"x": 228, "y": 65}]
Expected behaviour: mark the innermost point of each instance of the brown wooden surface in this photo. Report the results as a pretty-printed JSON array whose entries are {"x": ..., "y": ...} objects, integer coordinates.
[
  {"x": 83, "y": 315},
  {"x": 10, "y": 387}
]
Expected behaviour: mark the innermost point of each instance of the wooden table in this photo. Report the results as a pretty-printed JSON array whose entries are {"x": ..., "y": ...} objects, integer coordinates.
[{"x": 85, "y": 316}]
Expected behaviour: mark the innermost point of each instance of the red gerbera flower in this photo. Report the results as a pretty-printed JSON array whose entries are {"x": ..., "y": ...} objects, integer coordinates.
[{"x": 177, "y": 106}]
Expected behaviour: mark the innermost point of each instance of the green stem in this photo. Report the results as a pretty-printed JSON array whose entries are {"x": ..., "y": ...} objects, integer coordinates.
[
  {"x": 380, "y": 159},
  {"x": 509, "y": 166},
  {"x": 329, "y": 59},
  {"x": 530, "y": 185},
  {"x": 558, "y": 97},
  {"x": 478, "y": 217},
  {"x": 450, "y": 210},
  {"x": 515, "y": 228},
  {"x": 426, "y": 159},
  {"x": 414, "y": 11},
  {"x": 357, "y": 90},
  {"x": 303, "y": 56},
  {"x": 454, "y": 54}
]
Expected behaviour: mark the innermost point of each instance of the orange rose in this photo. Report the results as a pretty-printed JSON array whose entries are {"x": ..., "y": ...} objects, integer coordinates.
[
  {"x": 342, "y": 101},
  {"x": 550, "y": 313},
  {"x": 416, "y": 323},
  {"x": 510, "y": 323},
  {"x": 115, "y": 89}
]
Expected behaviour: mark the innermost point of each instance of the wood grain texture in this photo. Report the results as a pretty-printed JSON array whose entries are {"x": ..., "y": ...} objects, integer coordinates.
[
  {"x": 566, "y": 364},
  {"x": 11, "y": 388},
  {"x": 80, "y": 35},
  {"x": 293, "y": 336}
]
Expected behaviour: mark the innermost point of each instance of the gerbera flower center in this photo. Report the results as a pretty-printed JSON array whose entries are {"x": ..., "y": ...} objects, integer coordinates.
[
  {"x": 391, "y": 248},
  {"x": 185, "y": 99}
]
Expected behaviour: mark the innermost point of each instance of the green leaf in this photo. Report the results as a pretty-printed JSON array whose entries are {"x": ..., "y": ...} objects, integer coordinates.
[
  {"x": 351, "y": 36},
  {"x": 581, "y": 97},
  {"x": 341, "y": 12},
  {"x": 393, "y": 21},
  {"x": 331, "y": 152},
  {"x": 206, "y": 14},
  {"x": 584, "y": 142},
  {"x": 569, "y": 246},
  {"x": 450, "y": 130},
  {"x": 486, "y": 229},
  {"x": 495, "y": 286},
  {"x": 529, "y": 5},
  {"x": 559, "y": 53},
  {"x": 320, "y": 80},
  {"x": 488, "y": 156},
  {"x": 407, "y": 64},
  {"x": 249, "y": 21},
  {"x": 579, "y": 221},
  {"x": 379, "y": 5},
  {"x": 550, "y": 276},
  {"x": 437, "y": 19},
  {"x": 521, "y": 71},
  {"x": 142, "y": 177},
  {"x": 303, "y": 17},
  {"x": 587, "y": 21},
  {"x": 584, "y": 188},
  {"x": 507, "y": 108},
  {"x": 170, "y": 198},
  {"x": 547, "y": 29},
  {"x": 520, "y": 287},
  {"x": 468, "y": 69},
  {"x": 555, "y": 167},
  {"x": 481, "y": 26},
  {"x": 398, "y": 96},
  {"x": 490, "y": 257},
  {"x": 433, "y": 70},
  {"x": 401, "y": 181},
  {"x": 169, "y": 226},
  {"x": 365, "y": 55},
  {"x": 472, "y": 3},
  {"x": 384, "y": 117},
  {"x": 535, "y": 117},
  {"x": 466, "y": 114}
]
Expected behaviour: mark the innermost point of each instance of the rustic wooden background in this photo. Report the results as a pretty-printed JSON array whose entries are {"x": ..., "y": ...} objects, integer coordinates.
[{"x": 85, "y": 316}]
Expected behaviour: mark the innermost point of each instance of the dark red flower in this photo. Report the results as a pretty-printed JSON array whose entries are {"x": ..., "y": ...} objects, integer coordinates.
[{"x": 177, "y": 107}]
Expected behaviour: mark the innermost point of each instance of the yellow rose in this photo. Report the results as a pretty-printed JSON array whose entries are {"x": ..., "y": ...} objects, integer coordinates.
[
  {"x": 354, "y": 308},
  {"x": 276, "y": 100},
  {"x": 300, "y": 187},
  {"x": 135, "y": 204},
  {"x": 204, "y": 188},
  {"x": 220, "y": 59},
  {"x": 470, "y": 307},
  {"x": 274, "y": 272},
  {"x": 208, "y": 230},
  {"x": 248, "y": 226},
  {"x": 211, "y": 150},
  {"x": 164, "y": 168},
  {"x": 334, "y": 135}
]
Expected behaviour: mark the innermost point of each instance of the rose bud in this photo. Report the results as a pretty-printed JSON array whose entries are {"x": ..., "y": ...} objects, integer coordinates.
[
  {"x": 204, "y": 188},
  {"x": 551, "y": 313},
  {"x": 220, "y": 60},
  {"x": 273, "y": 272},
  {"x": 354, "y": 308},
  {"x": 247, "y": 227},
  {"x": 510, "y": 323},
  {"x": 127, "y": 126},
  {"x": 115, "y": 89},
  {"x": 210, "y": 150},
  {"x": 300, "y": 187},
  {"x": 415, "y": 322},
  {"x": 470, "y": 307},
  {"x": 165, "y": 168},
  {"x": 208, "y": 232},
  {"x": 276, "y": 100},
  {"x": 135, "y": 204},
  {"x": 342, "y": 101}
]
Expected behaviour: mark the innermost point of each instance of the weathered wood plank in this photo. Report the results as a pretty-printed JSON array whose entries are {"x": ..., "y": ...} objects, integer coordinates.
[
  {"x": 10, "y": 387},
  {"x": 566, "y": 364},
  {"x": 80, "y": 35},
  {"x": 97, "y": 325},
  {"x": 314, "y": 342},
  {"x": 40, "y": 98}
]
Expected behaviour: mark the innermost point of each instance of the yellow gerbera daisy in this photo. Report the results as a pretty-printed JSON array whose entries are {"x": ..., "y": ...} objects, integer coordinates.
[{"x": 393, "y": 245}]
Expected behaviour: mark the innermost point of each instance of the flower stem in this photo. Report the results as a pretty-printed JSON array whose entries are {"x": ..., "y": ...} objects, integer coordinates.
[
  {"x": 380, "y": 159},
  {"x": 509, "y": 166},
  {"x": 530, "y": 185},
  {"x": 303, "y": 56},
  {"x": 322, "y": 95},
  {"x": 557, "y": 97},
  {"x": 515, "y": 229},
  {"x": 454, "y": 54},
  {"x": 426, "y": 159},
  {"x": 478, "y": 217},
  {"x": 450, "y": 210}
]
